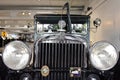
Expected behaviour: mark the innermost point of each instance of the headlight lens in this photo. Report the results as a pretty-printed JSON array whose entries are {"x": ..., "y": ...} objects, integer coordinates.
[
  {"x": 16, "y": 55},
  {"x": 103, "y": 55}
]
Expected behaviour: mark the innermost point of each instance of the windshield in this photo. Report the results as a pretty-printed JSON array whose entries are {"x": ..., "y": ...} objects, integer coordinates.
[
  {"x": 50, "y": 23},
  {"x": 76, "y": 28},
  {"x": 54, "y": 24}
]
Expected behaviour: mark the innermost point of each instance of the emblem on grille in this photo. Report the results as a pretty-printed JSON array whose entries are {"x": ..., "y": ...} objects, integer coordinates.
[
  {"x": 45, "y": 71},
  {"x": 75, "y": 71}
]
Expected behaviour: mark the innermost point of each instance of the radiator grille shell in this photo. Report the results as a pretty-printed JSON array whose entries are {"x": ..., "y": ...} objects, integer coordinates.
[{"x": 59, "y": 56}]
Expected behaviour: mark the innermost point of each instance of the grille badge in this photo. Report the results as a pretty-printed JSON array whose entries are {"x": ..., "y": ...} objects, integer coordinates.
[
  {"x": 75, "y": 71},
  {"x": 45, "y": 71}
]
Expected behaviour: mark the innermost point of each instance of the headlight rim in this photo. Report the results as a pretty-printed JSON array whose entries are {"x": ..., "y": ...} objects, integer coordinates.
[
  {"x": 29, "y": 50},
  {"x": 103, "y": 41}
]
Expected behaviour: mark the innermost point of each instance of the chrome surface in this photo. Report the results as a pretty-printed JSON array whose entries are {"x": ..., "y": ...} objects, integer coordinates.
[
  {"x": 45, "y": 71},
  {"x": 60, "y": 52},
  {"x": 103, "y": 55},
  {"x": 75, "y": 72},
  {"x": 16, "y": 55}
]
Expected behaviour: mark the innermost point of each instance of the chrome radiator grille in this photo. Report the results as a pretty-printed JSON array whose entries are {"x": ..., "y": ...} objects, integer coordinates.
[{"x": 59, "y": 57}]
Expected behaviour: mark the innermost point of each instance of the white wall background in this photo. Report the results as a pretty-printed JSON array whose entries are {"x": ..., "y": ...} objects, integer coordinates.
[{"x": 109, "y": 13}]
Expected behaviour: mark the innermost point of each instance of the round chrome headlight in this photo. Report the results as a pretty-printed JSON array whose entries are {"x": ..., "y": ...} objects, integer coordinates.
[
  {"x": 103, "y": 55},
  {"x": 16, "y": 55}
]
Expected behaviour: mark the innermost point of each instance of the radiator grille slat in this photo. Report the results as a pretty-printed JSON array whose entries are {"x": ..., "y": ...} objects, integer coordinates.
[{"x": 59, "y": 57}]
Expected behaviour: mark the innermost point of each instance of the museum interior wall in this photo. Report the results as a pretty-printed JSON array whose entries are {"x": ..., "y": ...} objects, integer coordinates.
[{"x": 109, "y": 13}]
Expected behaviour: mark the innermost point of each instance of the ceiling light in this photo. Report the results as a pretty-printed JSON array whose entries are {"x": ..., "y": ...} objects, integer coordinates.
[
  {"x": 23, "y": 13},
  {"x": 29, "y": 13}
]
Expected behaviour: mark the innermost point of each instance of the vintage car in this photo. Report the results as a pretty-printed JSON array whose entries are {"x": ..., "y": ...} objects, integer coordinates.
[{"x": 62, "y": 51}]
